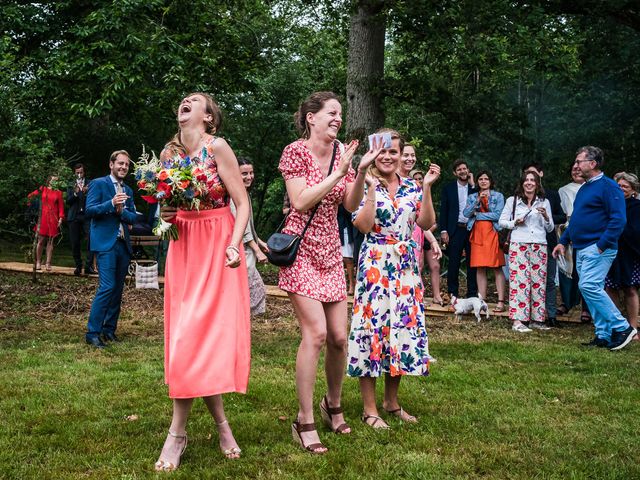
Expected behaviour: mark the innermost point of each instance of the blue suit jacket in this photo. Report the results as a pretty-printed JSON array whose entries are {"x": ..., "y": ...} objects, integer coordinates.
[
  {"x": 105, "y": 223},
  {"x": 449, "y": 207}
]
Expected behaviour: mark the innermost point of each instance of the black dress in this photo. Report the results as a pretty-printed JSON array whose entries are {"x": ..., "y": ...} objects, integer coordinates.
[{"x": 625, "y": 269}]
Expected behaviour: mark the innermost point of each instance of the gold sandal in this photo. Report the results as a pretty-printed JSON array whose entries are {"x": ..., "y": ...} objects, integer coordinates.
[
  {"x": 327, "y": 413},
  {"x": 297, "y": 428},
  {"x": 163, "y": 466},
  {"x": 229, "y": 451}
]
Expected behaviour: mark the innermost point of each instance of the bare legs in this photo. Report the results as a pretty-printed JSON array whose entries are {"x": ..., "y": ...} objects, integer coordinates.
[
  {"x": 631, "y": 301},
  {"x": 176, "y": 440},
  {"x": 351, "y": 280},
  {"x": 319, "y": 323},
  {"x": 49, "y": 251},
  {"x": 434, "y": 271},
  {"x": 390, "y": 402},
  {"x": 481, "y": 276},
  {"x": 228, "y": 443}
]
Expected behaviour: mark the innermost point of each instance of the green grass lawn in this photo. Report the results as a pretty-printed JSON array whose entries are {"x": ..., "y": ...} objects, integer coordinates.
[{"x": 497, "y": 404}]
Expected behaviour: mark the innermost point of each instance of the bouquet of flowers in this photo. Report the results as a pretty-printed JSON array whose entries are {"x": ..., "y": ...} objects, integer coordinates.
[{"x": 178, "y": 182}]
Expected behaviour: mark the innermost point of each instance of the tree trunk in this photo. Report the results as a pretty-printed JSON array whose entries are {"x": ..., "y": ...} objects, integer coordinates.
[{"x": 365, "y": 69}]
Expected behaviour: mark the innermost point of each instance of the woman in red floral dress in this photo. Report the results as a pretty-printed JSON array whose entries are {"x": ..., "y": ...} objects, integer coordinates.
[
  {"x": 315, "y": 282},
  {"x": 51, "y": 216}
]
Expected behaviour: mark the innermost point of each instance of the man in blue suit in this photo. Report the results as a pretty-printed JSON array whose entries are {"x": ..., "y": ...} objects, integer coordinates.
[
  {"x": 453, "y": 227},
  {"x": 110, "y": 208}
]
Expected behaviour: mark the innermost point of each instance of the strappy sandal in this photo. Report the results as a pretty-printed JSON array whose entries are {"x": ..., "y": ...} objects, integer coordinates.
[
  {"x": 585, "y": 317},
  {"x": 327, "y": 413},
  {"x": 376, "y": 422},
  {"x": 501, "y": 309},
  {"x": 562, "y": 310},
  {"x": 163, "y": 466},
  {"x": 227, "y": 452},
  {"x": 48, "y": 267},
  {"x": 438, "y": 302},
  {"x": 297, "y": 429},
  {"x": 402, "y": 415}
]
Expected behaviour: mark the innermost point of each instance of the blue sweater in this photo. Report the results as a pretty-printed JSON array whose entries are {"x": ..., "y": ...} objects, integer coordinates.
[{"x": 599, "y": 215}]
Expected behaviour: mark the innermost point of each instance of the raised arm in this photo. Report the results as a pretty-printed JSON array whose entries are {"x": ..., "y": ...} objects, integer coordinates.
[{"x": 427, "y": 215}]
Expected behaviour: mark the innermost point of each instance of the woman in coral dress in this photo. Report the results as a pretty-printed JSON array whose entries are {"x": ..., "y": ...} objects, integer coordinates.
[
  {"x": 51, "y": 216},
  {"x": 388, "y": 335},
  {"x": 483, "y": 210},
  {"x": 206, "y": 303},
  {"x": 315, "y": 282}
]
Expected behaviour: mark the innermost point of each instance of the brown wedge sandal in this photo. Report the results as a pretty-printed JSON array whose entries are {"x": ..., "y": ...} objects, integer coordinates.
[
  {"x": 297, "y": 428},
  {"x": 327, "y": 413}
]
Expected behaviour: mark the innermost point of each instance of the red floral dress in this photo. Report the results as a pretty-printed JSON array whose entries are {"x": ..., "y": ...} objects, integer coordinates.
[
  {"x": 317, "y": 272},
  {"x": 52, "y": 210}
]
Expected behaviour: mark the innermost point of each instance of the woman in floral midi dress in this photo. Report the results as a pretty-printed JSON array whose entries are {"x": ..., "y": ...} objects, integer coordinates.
[{"x": 388, "y": 334}]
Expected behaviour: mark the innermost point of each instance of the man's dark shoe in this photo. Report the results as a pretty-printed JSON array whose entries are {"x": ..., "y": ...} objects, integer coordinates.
[
  {"x": 597, "y": 342},
  {"x": 96, "y": 342},
  {"x": 90, "y": 271},
  {"x": 110, "y": 337},
  {"x": 619, "y": 340},
  {"x": 553, "y": 323},
  {"x": 77, "y": 271}
]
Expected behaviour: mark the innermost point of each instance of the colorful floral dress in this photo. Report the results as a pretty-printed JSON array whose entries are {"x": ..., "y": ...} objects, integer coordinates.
[
  {"x": 388, "y": 333},
  {"x": 317, "y": 271}
]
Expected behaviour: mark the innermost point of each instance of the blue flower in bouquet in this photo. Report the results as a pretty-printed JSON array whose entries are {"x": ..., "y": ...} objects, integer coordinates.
[
  {"x": 189, "y": 194},
  {"x": 149, "y": 175},
  {"x": 185, "y": 162},
  {"x": 138, "y": 175}
]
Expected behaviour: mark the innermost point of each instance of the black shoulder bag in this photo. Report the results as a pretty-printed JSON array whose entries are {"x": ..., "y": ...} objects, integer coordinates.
[{"x": 283, "y": 247}]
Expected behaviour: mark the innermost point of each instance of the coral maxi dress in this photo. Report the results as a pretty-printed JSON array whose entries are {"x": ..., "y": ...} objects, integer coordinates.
[{"x": 206, "y": 305}]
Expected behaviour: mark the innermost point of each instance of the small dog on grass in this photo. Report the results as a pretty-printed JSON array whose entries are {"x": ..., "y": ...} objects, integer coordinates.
[{"x": 467, "y": 305}]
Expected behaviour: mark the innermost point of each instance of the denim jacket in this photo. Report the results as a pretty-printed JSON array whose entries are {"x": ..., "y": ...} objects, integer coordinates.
[{"x": 473, "y": 213}]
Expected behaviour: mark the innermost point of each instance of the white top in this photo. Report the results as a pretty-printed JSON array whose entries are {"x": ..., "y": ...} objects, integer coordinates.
[
  {"x": 568, "y": 195},
  {"x": 463, "y": 193},
  {"x": 535, "y": 227}
]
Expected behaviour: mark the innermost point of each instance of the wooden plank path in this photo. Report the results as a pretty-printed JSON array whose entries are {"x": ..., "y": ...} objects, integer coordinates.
[{"x": 274, "y": 291}]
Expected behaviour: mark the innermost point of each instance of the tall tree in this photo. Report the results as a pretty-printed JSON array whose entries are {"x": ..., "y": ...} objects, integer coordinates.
[{"x": 365, "y": 68}]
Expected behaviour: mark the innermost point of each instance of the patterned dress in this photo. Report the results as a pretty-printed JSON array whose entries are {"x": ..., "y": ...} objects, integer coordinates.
[
  {"x": 317, "y": 271},
  {"x": 388, "y": 333}
]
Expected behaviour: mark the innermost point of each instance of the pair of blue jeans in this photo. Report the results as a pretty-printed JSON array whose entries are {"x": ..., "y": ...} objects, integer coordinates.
[
  {"x": 113, "y": 266},
  {"x": 593, "y": 267}
]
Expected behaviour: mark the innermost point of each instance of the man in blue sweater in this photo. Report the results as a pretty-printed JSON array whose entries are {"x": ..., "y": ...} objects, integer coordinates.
[{"x": 599, "y": 216}]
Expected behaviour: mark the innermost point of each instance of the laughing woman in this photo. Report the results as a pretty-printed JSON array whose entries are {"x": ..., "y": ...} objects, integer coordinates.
[
  {"x": 206, "y": 296},
  {"x": 388, "y": 334},
  {"x": 318, "y": 173}
]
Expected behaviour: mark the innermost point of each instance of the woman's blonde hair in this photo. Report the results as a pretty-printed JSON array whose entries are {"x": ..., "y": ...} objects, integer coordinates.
[
  {"x": 373, "y": 170},
  {"x": 212, "y": 126}
]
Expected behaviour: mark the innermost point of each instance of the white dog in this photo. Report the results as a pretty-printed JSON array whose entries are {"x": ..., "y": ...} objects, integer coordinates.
[{"x": 472, "y": 304}]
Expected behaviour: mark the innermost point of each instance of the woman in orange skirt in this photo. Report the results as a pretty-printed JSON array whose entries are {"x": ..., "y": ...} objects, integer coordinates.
[
  {"x": 483, "y": 210},
  {"x": 206, "y": 302}
]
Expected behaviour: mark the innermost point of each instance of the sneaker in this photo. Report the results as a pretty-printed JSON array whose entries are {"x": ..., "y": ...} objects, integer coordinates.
[
  {"x": 538, "y": 326},
  {"x": 521, "y": 328},
  {"x": 597, "y": 342},
  {"x": 619, "y": 340}
]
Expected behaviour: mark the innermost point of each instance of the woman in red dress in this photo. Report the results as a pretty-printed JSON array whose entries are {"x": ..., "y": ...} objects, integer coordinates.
[
  {"x": 206, "y": 295},
  {"x": 51, "y": 216},
  {"x": 315, "y": 282}
]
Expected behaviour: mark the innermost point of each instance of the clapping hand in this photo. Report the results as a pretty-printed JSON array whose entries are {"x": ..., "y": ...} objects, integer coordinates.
[
  {"x": 432, "y": 175},
  {"x": 377, "y": 145},
  {"x": 346, "y": 157}
]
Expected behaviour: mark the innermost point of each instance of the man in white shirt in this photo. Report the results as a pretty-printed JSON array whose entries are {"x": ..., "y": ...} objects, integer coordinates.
[{"x": 453, "y": 227}]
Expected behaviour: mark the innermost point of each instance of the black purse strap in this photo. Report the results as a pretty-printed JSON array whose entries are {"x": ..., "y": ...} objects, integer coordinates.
[{"x": 333, "y": 159}]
